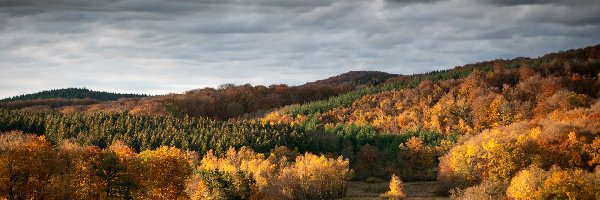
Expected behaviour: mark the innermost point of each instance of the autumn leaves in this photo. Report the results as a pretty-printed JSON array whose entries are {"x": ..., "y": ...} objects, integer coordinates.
[
  {"x": 31, "y": 168},
  {"x": 561, "y": 151},
  {"x": 282, "y": 174}
]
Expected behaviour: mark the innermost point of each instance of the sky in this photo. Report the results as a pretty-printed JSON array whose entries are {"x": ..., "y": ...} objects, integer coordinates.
[{"x": 162, "y": 46}]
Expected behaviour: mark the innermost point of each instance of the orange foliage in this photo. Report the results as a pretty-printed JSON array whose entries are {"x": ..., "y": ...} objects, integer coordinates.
[
  {"x": 277, "y": 117},
  {"x": 501, "y": 152},
  {"x": 26, "y": 166}
]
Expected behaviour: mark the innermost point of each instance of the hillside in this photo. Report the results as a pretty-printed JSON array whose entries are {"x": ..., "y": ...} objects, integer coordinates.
[
  {"x": 45, "y": 104},
  {"x": 487, "y": 121},
  {"x": 231, "y": 101},
  {"x": 72, "y": 93},
  {"x": 227, "y": 101},
  {"x": 355, "y": 78},
  {"x": 481, "y": 131}
]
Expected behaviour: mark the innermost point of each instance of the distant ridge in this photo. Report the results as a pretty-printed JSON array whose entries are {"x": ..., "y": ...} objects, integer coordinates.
[
  {"x": 356, "y": 78},
  {"x": 72, "y": 93}
]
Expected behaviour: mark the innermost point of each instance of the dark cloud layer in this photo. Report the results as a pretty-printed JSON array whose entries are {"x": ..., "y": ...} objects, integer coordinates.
[{"x": 160, "y": 46}]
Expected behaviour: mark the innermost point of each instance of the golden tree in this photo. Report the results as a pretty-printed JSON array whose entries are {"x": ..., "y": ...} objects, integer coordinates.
[
  {"x": 167, "y": 169},
  {"x": 396, "y": 188}
]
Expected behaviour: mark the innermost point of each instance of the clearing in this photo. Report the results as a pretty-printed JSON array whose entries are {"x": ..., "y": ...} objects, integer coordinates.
[{"x": 414, "y": 190}]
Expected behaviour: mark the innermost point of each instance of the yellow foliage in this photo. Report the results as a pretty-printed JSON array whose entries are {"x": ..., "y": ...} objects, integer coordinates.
[
  {"x": 317, "y": 177},
  {"x": 396, "y": 189},
  {"x": 209, "y": 162},
  {"x": 499, "y": 153},
  {"x": 534, "y": 183},
  {"x": 276, "y": 178},
  {"x": 525, "y": 185},
  {"x": 278, "y": 117},
  {"x": 167, "y": 169},
  {"x": 535, "y": 132},
  {"x": 594, "y": 150},
  {"x": 569, "y": 185},
  {"x": 496, "y": 161}
]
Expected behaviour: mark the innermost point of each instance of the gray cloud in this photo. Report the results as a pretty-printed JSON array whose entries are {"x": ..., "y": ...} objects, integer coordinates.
[
  {"x": 538, "y": 2},
  {"x": 159, "y": 46}
]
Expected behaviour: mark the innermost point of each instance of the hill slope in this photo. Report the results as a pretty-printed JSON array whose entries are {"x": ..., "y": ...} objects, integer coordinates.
[
  {"x": 355, "y": 78},
  {"x": 490, "y": 128},
  {"x": 441, "y": 107},
  {"x": 72, "y": 93},
  {"x": 227, "y": 101}
]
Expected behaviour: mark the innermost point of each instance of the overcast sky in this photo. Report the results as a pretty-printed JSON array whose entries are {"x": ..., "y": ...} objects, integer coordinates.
[{"x": 161, "y": 46}]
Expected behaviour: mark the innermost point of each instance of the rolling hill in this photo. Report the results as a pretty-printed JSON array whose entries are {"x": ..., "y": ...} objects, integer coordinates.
[
  {"x": 482, "y": 130},
  {"x": 72, "y": 93},
  {"x": 227, "y": 101}
]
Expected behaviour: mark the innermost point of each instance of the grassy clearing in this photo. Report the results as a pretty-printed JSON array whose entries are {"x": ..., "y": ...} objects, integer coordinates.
[{"x": 414, "y": 190}]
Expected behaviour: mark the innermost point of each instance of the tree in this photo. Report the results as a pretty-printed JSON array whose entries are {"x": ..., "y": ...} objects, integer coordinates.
[
  {"x": 115, "y": 181},
  {"x": 556, "y": 183},
  {"x": 367, "y": 161},
  {"x": 26, "y": 166},
  {"x": 396, "y": 189},
  {"x": 167, "y": 169}
]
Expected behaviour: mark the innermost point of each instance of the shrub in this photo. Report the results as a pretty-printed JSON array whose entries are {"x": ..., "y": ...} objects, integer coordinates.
[{"x": 487, "y": 190}]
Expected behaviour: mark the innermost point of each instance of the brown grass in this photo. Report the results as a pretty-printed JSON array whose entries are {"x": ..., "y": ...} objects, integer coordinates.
[{"x": 371, "y": 191}]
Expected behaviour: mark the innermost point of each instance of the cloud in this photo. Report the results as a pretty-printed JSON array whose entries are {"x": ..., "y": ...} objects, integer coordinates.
[
  {"x": 159, "y": 46},
  {"x": 538, "y": 2}
]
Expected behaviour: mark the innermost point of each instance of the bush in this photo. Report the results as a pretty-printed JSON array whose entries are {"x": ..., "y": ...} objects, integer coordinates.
[{"x": 487, "y": 190}]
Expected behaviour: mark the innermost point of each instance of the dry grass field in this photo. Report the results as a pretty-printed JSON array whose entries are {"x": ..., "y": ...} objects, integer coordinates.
[{"x": 414, "y": 190}]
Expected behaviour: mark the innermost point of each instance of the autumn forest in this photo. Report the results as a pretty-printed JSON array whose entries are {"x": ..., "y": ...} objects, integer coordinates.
[{"x": 524, "y": 128}]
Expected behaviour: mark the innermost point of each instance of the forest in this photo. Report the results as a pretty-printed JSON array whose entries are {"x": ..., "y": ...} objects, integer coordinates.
[
  {"x": 524, "y": 128},
  {"x": 72, "y": 93},
  {"x": 225, "y": 102}
]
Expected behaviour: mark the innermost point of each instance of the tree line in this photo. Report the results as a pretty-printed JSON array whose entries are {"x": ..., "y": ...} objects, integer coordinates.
[
  {"x": 32, "y": 168},
  {"x": 72, "y": 93},
  {"x": 148, "y": 132}
]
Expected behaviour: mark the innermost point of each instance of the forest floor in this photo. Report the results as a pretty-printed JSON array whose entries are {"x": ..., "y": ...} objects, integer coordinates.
[{"x": 414, "y": 190}]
